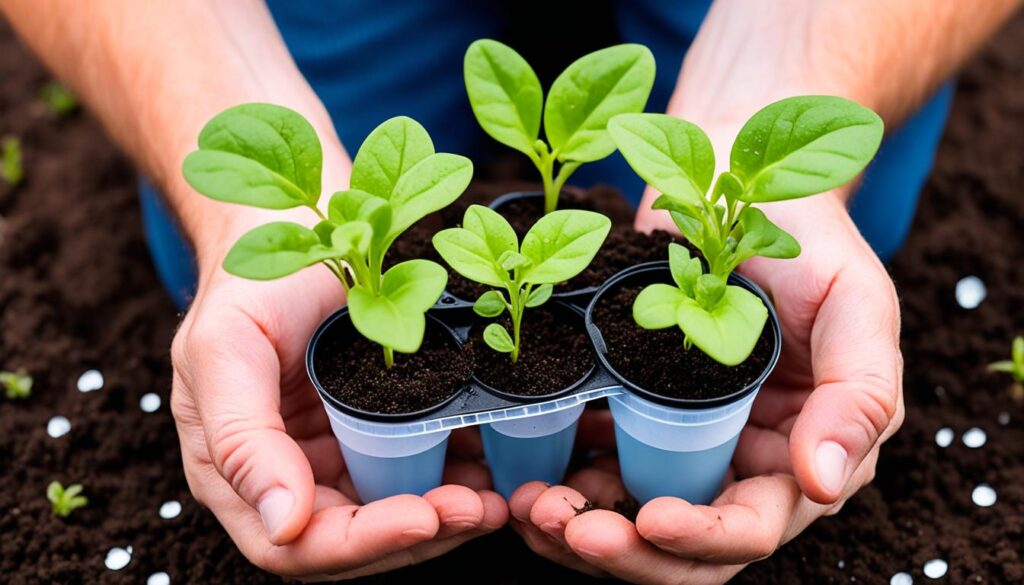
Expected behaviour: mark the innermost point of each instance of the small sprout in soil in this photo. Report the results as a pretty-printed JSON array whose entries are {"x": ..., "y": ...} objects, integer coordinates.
[
  {"x": 269, "y": 156},
  {"x": 792, "y": 148},
  {"x": 508, "y": 102},
  {"x": 59, "y": 100},
  {"x": 17, "y": 385},
  {"x": 1013, "y": 366},
  {"x": 65, "y": 500},
  {"x": 486, "y": 250},
  {"x": 11, "y": 170}
]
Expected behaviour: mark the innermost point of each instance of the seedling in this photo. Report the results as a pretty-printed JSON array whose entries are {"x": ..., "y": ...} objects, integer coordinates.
[
  {"x": 60, "y": 100},
  {"x": 793, "y": 148},
  {"x": 16, "y": 384},
  {"x": 65, "y": 500},
  {"x": 12, "y": 171},
  {"x": 486, "y": 250},
  {"x": 1013, "y": 366},
  {"x": 507, "y": 100},
  {"x": 269, "y": 156}
]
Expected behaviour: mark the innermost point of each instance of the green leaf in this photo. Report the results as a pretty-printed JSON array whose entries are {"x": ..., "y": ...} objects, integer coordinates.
[
  {"x": 490, "y": 304},
  {"x": 761, "y": 237},
  {"x": 498, "y": 339},
  {"x": 394, "y": 317},
  {"x": 228, "y": 177},
  {"x": 12, "y": 171},
  {"x": 539, "y": 295},
  {"x": 432, "y": 184},
  {"x": 351, "y": 239},
  {"x": 729, "y": 331},
  {"x": 16, "y": 384},
  {"x": 729, "y": 185},
  {"x": 561, "y": 245},
  {"x": 323, "y": 230},
  {"x": 709, "y": 289},
  {"x": 72, "y": 490},
  {"x": 273, "y": 137},
  {"x": 356, "y": 205},
  {"x": 510, "y": 260},
  {"x": 54, "y": 491},
  {"x": 505, "y": 94},
  {"x": 59, "y": 99},
  {"x": 492, "y": 228},
  {"x": 685, "y": 270},
  {"x": 804, "y": 145},
  {"x": 1017, "y": 352},
  {"x": 389, "y": 152},
  {"x": 1003, "y": 366},
  {"x": 685, "y": 216},
  {"x": 592, "y": 90},
  {"x": 672, "y": 155},
  {"x": 656, "y": 306},
  {"x": 468, "y": 254},
  {"x": 274, "y": 250}
]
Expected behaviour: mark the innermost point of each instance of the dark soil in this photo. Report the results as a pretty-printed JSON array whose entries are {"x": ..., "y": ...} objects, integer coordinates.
[
  {"x": 77, "y": 291},
  {"x": 656, "y": 360},
  {"x": 555, "y": 353},
  {"x": 416, "y": 382}
]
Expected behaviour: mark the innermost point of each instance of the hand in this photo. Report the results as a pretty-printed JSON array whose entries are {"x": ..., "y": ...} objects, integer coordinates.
[
  {"x": 811, "y": 442},
  {"x": 258, "y": 450}
]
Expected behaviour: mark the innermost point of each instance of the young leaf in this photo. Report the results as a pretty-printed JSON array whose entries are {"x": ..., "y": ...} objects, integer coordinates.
[
  {"x": 432, "y": 184},
  {"x": 561, "y": 244},
  {"x": 510, "y": 260},
  {"x": 351, "y": 239},
  {"x": 505, "y": 94},
  {"x": 356, "y": 205},
  {"x": 1017, "y": 352},
  {"x": 469, "y": 255},
  {"x": 274, "y": 250},
  {"x": 761, "y": 237},
  {"x": 656, "y": 306},
  {"x": 592, "y": 90},
  {"x": 492, "y": 228},
  {"x": 16, "y": 384},
  {"x": 804, "y": 145},
  {"x": 490, "y": 304},
  {"x": 685, "y": 270},
  {"x": 60, "y": 100},
  {"x": 672, "y": 155},
  {"x": 12, "y": 171},
  {"x": 729, "y": 331},
  {"x": 709, "y": 290},
  {"x": 257, "y": 154},
  {"x": 394, "y": 317},
  {"x": 685, "y": 216},
  {"x": 498, "y": 338},
  {"x": 387, "y": 154},
  {"x": 64, "y": 501},
  {"x": 539, "y": 296}
]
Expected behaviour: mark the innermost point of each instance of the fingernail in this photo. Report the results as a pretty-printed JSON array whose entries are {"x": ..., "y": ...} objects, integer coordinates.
[
  {"x": 830, "y": 459},
  {"x": 274, "y": 507}
]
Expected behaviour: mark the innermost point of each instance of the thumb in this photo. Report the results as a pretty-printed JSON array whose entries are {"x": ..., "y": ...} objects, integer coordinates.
[
  {"x": 236, "y": 382},
  {"x": 857, "y": 399}
]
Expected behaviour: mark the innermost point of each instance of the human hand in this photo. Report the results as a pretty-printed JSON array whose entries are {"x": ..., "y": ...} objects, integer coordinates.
[
  {"x": 258, "y": 449},
  {"x": 811, "y": 442}
]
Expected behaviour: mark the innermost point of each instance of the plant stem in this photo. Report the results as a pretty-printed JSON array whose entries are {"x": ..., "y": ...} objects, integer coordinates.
[
  {"x": 389, "y": 357},
  {"x": 547, "y": 170}
]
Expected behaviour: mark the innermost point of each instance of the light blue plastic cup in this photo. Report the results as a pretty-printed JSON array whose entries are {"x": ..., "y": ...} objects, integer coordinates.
[
  {"x": 667, "y": 451},
  {"x": 535, "y": 448},
  {"x": 387, "y": 459}
]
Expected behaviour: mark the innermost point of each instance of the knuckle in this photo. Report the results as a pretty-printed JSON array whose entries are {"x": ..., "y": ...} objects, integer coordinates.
[
  {"x": 878, "y": 404},
  {"x": 232, "y": 453}
]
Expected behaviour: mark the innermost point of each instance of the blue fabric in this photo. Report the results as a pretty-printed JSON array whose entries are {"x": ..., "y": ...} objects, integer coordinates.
[{"x": 368, "y": 61}]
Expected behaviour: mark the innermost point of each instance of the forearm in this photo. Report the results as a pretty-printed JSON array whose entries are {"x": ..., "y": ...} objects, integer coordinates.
[
  {"x": 886, "y": 55},
  {"x": 155, "y": 72}
]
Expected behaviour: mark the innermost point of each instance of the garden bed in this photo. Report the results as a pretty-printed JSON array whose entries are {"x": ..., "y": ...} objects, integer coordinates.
[{"x": 77, "y": 292}]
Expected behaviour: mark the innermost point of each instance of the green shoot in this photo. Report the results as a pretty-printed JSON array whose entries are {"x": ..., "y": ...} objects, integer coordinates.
[
  {"x": 793, "y": 148},
  {"x": 486, "y": 250},
  {"x": 507, "y": 100},
  {"x": 1013, "y": 366},
  {"x": 59, "y": 100},
  {"x": 18, "y": 385},
  {"x": 268, "y": 156},
  {"x": 65, "y": 500},
  {"x": 11, "y": 170}
]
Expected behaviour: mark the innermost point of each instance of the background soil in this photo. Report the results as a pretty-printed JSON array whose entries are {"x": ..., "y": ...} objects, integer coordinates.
[{"x": 77, "y": 291}]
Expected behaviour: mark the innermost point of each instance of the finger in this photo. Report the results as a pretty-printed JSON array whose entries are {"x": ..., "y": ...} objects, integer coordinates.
[
  {"x": 324, "y": 458},
  {"x": 596, "y": 430},
  {"x": 467, "y": 473},
  {"x": 746, "y": 523},
  {"x": 233, "y": 372},
  {"x": 520, "y": 506},
  {"x": 466, "y": 443},
  {"x": 858, "y": 377},
  {"x": 610, "y": 542},
  {"x": 458, "y": 509},
  {"x": 601, "y": 488},
  {"x": 761, "y": 451},
  {"x": 553, "y": 509}
]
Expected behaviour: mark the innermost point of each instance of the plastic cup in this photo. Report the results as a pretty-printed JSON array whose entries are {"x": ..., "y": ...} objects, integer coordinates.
[
  {"x": 384, "y": 460},
  {"x": 668, "y": 451},
  {"x": 536, "y": 448}
]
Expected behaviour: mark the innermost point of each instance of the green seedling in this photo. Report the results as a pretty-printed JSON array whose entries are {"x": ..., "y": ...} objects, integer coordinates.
[
  {"x": 16, "y": 384},
  {"x": 486, "y": 250},
  {"x": 59, "y": 100},
  {"x": 508, "y": 102},
  {"x": 65, "y": 500},
  {"x": 12, "y": 170},
  {"x": 793, "y": 148},
  {"x": 1013, "y": 366},
  {"x": 269, "y": 156}
]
